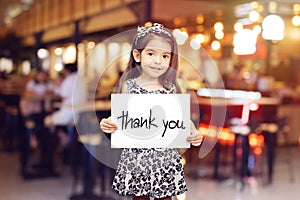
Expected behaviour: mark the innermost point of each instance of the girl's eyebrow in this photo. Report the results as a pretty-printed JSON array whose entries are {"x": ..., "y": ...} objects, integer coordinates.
[{"x": 165, "y": 52}]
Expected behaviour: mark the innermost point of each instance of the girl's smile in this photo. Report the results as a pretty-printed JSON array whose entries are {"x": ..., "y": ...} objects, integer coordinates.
[{"x": 156, "y": 68}]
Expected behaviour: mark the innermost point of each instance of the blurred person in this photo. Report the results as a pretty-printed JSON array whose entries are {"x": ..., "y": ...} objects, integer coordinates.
[
  {"x": 64, "y": 116},
  {"x": 72, "y": 91},
  {"x": 34, "y": 102},
  {"x": 36, "y": 90},
  {"x": 34, "y": 105},
  {"x": 49, "y": 139}
]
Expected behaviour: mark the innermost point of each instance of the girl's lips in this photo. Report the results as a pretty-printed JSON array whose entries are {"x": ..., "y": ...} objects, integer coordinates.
[{"x": 155, "y": 68}]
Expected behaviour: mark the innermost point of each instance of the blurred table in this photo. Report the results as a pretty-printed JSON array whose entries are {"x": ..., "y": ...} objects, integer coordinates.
[
  {"x": 98, "y": 105},
  {"x": 218, "y": 111}
]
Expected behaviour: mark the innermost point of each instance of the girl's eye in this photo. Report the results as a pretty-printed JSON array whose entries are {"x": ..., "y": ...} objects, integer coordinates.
[
  {"x": 150, "y": 54},
  {"x": 166, "y": 56}
]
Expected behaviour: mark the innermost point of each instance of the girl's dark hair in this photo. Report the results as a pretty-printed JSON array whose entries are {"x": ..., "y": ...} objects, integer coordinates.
[{"x": 133, "y": 69}]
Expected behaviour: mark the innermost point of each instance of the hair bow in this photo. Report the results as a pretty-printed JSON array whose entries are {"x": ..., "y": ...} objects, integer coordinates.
[{"x": 155, "y": 28}]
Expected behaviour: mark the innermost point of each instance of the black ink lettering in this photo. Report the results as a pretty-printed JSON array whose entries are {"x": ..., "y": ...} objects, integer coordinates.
[
  {"x": 136, "y": 123},
  {"x": 165, "y": 125},
  {"x": 181, "y": 126},
  {"x": 123, "y": 116},
  {"x": 128, "y": 121},
  {"x": 151, "y": 120},
  {"x": 175, "y": 125},
  {"x": 173, "y": 122},
  {"x": 144, "y": 122}
]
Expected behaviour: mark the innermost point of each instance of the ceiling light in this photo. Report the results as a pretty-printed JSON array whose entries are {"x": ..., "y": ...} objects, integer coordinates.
[
  {"x": 296, "y": 20},
  {"x": 272, "y": 31}
]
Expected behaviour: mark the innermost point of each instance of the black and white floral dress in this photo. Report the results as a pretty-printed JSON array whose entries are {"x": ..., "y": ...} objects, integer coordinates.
[{"x": 154, "y": 172}]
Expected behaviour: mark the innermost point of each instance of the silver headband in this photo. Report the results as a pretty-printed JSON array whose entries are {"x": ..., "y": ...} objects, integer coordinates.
[{"x": 156, "y": 28}]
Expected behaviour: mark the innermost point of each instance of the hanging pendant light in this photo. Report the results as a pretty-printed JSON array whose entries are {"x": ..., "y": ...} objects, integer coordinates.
[{"x": 273, "y": 28}]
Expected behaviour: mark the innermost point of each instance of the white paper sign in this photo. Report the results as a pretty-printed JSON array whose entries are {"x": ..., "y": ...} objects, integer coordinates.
[{"x": 150, "y": 120}]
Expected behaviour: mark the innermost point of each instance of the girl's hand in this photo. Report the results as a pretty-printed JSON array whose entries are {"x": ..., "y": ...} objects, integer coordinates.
[
  {"x": 107, "y": 125},
  {"x": 195, "y": 138}
]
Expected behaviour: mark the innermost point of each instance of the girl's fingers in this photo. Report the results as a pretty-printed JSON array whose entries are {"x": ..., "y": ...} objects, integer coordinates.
[
  {"x": 107, "y": 123},
  {"x": 196, "y": 144},
  {"x": 108, "y": 126},
  {"x": 108, "y": 130},
  {"x": 195, "y": 139}
]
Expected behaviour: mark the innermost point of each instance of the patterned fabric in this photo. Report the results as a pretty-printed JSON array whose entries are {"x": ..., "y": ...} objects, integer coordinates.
[
  {"x": 155, "y": 172},
  {"x": 134, "y": 88}
]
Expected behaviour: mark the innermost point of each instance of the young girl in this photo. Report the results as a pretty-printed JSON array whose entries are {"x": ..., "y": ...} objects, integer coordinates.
[{"x": 154, "y": 172}]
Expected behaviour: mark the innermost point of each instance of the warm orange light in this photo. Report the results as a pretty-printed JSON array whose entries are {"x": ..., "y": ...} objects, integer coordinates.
[
  {"x": 238, "y": 26},
  {"x": 148, "y": 24},
  {"x": 219, "y": 35},
  {"x": 253, "y": 140},
  {"x": 296, "y": 20},
  {"x": 218, "y": 26},
  {"x": 296, "y": 8},
  {"x": 231, "y": 139},
  {"x": 273, "y": 7},
  {"x": 215, "y": 45},
  {"x": 207, "y": 130},
  {"x": 200, "y": 19},
  {"x": 254, "y": 16},
  {"x": 257, "y": 151},
  {"x": 226, "y": 137},
  {"x": 202, "y": 128},
  {"x": 256, "y": 140},
  {"x": 257, "y": 29},
  {"x": 183, "y": 160},
  {"x": 261, "y": 139}
]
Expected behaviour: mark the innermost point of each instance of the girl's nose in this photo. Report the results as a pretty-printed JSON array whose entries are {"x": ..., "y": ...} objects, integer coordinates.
[{"x": 157, "y": 59}]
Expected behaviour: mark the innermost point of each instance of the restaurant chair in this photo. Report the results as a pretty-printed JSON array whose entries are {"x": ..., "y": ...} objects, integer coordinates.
[
  {"x": 86, "y": 169},
  {"x": 241, "y": 141},
  {"x": 11, "y": 122}
]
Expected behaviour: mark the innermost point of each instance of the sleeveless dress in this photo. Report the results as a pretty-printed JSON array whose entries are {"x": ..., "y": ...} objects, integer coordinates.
[{"x": 154, "y": 172}]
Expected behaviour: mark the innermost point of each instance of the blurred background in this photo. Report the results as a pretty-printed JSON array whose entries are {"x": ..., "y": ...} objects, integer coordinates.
[{"x": 251, "y": 49}]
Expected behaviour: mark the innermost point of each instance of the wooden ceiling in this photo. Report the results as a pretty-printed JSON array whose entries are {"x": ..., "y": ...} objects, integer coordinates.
[
  {"x": 12, "y": 8},
  {"x": 165, "y": 10}
]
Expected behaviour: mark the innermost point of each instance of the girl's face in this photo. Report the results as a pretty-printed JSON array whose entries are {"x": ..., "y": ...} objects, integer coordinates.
[{"x": 155, "y": 58}]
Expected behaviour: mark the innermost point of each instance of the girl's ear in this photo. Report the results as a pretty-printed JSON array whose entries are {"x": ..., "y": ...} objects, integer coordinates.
[{"x": 136, "y": 55}]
